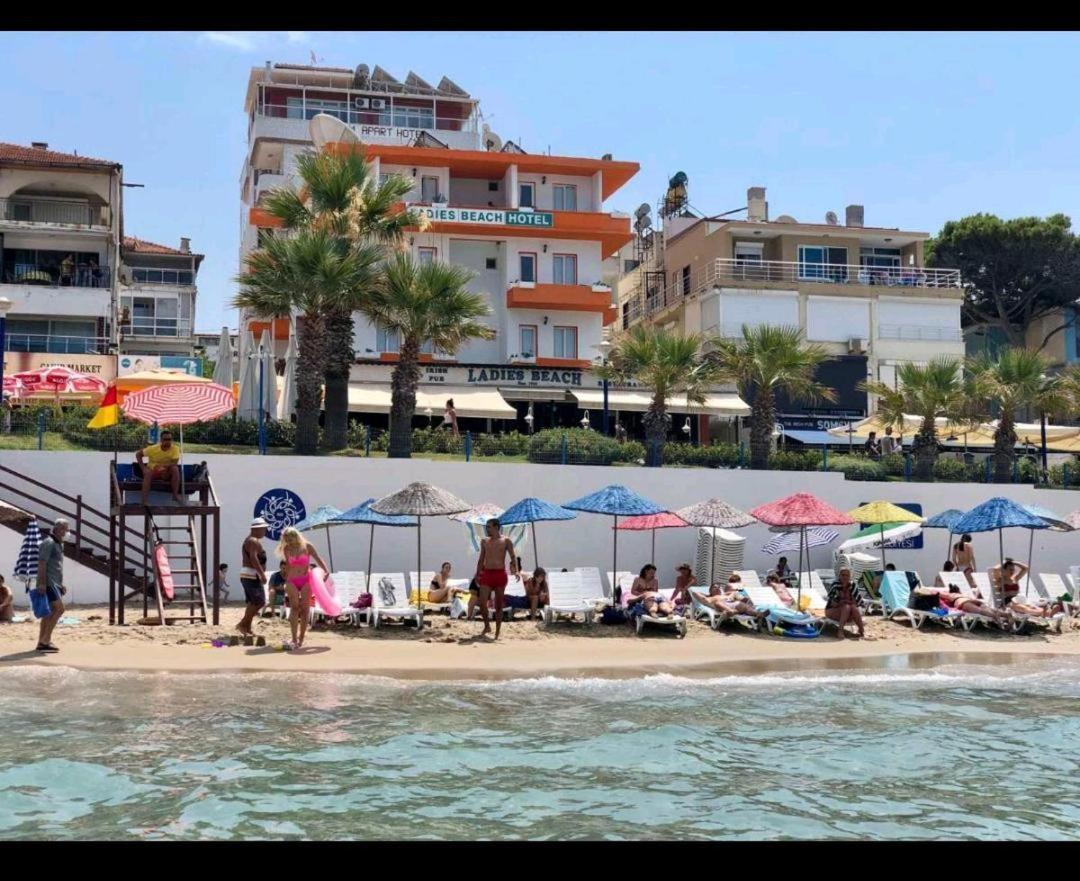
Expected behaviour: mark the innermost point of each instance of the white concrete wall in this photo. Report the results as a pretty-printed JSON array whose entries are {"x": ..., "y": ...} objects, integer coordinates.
[{"x": 240, "y": 481}]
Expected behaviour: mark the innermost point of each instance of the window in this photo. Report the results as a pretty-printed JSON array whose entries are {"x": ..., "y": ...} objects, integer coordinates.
[
  {"x": 299, "y": 109},
  {"x": 527, "y": 342},
  {"x": 686, "y": 281},
  {"x": 493, "y": 186},
  {"x": 566, "y": 342},
  {"x": 426, "y": 255},
  {"x": 819, "y": 263},
  {"x": 564, "y": 197},
  {"x": 384, "y": 176},
  {"x": 630, "y": 265},
  {"x": 429, "y": 188},
  {"x": 564, "y": 269},
  {"x": 387, "y": 340},
  {"x": 490, "y": 263},
  {"x": 528, "y": 266},
  {"x": 427, "y": 348},
  {"x": 413, "y": 117},
  {"x": 170, "y": 276},
  {"x": 527, "y": 195}
]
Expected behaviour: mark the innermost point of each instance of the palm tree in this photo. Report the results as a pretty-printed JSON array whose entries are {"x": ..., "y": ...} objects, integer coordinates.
[
  {"x": 339, "y": 195},
  {"x": 310, "y": 272},
  {"x": 1013, "y": 380},
  {"x": 929, "y": 391},
  {"x": 770, "y": 359},
  {"x": 423, "y": 303},
  {"x": 668, "y": 364}
]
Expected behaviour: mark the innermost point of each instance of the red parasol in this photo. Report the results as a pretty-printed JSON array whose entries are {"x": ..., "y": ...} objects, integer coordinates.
[
  {"x": 54, "y": 380},
  {"x": 663, "y": 520},
  {"x": 800, "y": 511}
]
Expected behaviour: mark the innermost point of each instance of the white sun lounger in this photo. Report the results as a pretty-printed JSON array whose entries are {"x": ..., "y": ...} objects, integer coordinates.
[
  {"x": 625, "y": 580},
  {"x": 567, "y": 597},
  {"x": 813, "y": 587},
  {"x": 347, "y": 588},
  {"x": 593, "y": 585},
  {"x": 894, "y": 604},
  {"x": 969, "y": 619},
  {"x": 747, "y": 577},
  {"x": 1054, "y": 622},
  {"x": 1050, "y": 586},
  {"x": 700, "y": 610},
  {"x": 423, "y": 582},
  {"x": 677, "y": 620},
  {"x": 401, "y": 609}
]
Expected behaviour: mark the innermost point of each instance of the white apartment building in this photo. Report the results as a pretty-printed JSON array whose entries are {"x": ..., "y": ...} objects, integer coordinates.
[
  {"x": 158, "y": 291},
  {"x": 60, "y": 230},
  {"x": 531, "y": 227}
]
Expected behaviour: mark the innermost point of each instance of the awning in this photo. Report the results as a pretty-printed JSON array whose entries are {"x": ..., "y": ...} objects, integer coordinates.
[
  {"x": 638, "y": 402},
  {"x": 374, "y": 397},
  {"x": 532, "y": 393},
  {"x": 816, "y": 438}
]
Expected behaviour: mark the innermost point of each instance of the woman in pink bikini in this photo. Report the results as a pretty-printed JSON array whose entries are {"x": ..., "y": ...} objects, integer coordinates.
[{"x": 297, "y": 554}]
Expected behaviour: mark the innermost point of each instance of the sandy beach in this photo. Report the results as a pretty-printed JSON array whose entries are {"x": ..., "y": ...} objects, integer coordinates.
[{"x": 453, "y": 650}]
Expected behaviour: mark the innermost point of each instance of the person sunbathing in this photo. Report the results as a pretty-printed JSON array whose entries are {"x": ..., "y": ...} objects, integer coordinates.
[
  {"x": 781, "y": 589},
  {"x": 951, "y": 598},
  {"x": 730, "y": 600},
  {"x": 1006, "y": 577},
  {"x": 439, "y": 589},
  {"x": 646, "y": 591}
]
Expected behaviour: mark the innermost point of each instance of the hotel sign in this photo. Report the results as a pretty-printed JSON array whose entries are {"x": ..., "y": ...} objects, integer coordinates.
[{"x": 492, "y": 216}]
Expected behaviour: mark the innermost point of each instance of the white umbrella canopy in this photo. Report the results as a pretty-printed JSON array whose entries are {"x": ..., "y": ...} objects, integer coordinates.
[
  {"x": 269, "y": 374},
  {"x": 420, "y": 500},
  {"x": 223, "y": 369},
  {"x": 287, "y": 401},
  {"x": 247, "y": 407}
]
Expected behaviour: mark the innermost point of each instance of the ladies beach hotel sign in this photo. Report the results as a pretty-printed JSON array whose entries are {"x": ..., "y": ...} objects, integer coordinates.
[{"x": 492, "y": 216}]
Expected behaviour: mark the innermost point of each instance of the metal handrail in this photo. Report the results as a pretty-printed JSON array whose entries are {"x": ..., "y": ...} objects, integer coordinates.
[
  {"x": 834, "y": 273},
  {"x": 365, "y": 117},
  {"x": 27, "y": 209}
]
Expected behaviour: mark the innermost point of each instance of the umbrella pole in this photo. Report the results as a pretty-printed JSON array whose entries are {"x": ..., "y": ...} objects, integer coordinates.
[
  {"x": 798, "y": 589},
  {"x": 1031, "y": 551},
  {"x": 615, "y": 547},
  {"x": 882, "y": 534},
  {"x": 948, "y": 547},
  {"x": 712, "y": 559},
  {"x": 1001, "y": 545},
  {"x": 418, "y": 561},
  {"x": 653, "y": 546},
  {"x": 330, "y": 547},
  {"x": 536, "y": 550},
  {"x": 182, "y": 493},
  {"x": 370, "y": 548}
]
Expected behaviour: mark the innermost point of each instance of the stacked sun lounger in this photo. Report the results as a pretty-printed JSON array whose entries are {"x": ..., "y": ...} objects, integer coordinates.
[
  {"x": 726, "y": 552},
  {"x": 400, "y": 609}
]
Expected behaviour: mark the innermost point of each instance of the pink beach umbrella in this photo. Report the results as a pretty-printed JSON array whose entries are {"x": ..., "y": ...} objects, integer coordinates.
[
  {"x": 653, "y": 522},
  {"x": 799, "y": 511}
]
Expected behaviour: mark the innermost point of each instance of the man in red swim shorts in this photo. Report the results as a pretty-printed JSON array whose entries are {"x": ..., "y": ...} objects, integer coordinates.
[{"x": 491, "y": 571}]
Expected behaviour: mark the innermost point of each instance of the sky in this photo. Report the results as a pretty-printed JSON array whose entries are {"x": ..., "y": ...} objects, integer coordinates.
[{"x": 918, "y": 127}]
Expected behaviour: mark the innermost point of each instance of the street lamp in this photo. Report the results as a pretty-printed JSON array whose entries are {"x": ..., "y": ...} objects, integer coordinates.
[
  {"x": 5, "y": 306},
  {"x": 585, "y": 420},
  {"x": 529, "y": 418},
  {"x": 605, "y": 347}
]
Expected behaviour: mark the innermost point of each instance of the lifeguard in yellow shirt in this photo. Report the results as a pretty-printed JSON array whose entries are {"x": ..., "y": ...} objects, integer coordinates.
[{"x": 162, "y": 460}]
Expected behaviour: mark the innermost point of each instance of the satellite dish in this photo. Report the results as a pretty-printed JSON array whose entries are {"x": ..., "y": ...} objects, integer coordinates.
[
  {"x": 326, "y": 129},
  {"x": 642, "y": 209},
  {"x": 831, "y": 218},
  {"x": 786, "y": 218},
  {"x": 492, "y": 141}
]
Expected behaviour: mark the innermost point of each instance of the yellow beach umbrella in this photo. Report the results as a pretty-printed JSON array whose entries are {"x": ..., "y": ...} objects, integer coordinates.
[{"x": 884, "y": 513}]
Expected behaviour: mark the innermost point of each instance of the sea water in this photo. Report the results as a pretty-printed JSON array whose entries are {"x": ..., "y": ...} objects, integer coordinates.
[{"x": 975, "y": 752}]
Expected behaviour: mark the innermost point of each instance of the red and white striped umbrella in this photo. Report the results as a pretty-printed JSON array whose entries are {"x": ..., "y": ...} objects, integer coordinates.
[
  {"x": 57, "y": 380},
  {"x": 179, "y": 404}
]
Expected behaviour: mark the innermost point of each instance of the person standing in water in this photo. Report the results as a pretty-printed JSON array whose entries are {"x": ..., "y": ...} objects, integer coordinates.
[
  {"x": 297, "y": 552},
  {"x": 253, "y": 574},
  {"x": 963, "y": 556},
  {"x": 495, "y": 549}
]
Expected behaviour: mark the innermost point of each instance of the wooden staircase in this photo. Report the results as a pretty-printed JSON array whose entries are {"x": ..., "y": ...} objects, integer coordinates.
[{"x": 22, "y": 499}]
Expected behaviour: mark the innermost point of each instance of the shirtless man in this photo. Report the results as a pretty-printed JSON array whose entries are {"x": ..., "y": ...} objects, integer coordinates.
[
  {"x": 253, "y": 574},
  {"x": 495, "y": 549}
]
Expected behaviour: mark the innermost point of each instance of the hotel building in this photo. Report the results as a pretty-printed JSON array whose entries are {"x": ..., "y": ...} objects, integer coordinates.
[
  {"x": 862, "y": 292},
  {"x": 531, "y": 227},
  {"x": 157, "y": 298}
]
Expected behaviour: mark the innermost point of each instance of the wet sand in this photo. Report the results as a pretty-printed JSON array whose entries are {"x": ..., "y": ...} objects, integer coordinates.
[{"x": 453, "y": 649}]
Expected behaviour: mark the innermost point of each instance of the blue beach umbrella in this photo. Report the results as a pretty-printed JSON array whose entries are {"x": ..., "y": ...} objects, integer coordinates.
[
  {"x": 1054, "y": 522},
  {"x": 532, "y": 511},
  {"x": 362, "y": 513},
  {"x": 947, "y": 519},
  {"x": 998, "y": 513},
  {"x": 325, "y": 517},
  {"x": 618, "y": 501}
]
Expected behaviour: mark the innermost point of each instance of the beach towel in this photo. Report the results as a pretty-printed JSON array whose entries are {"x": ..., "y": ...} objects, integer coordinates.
[
  {"x": 387, "y": 596},
  {"x": 363, "y": 601}
]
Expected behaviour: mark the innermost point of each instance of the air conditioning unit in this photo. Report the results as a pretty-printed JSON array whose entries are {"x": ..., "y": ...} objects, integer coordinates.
[
  {"x": 361, "y": 103},
  {"x": 856, "y": 345},
  {"x": 378, "y": 103}
]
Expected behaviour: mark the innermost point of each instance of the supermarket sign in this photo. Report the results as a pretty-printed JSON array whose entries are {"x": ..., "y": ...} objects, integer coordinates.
[{"x": 489, "y": 216}]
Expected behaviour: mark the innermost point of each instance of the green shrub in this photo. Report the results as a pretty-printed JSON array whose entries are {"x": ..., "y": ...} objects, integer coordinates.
[
  {"x": 790, "y": 460},
  {"x": 715, "y": 456},
  {"x": 583, "y": 447},
  {"x": 947, "y": 468},
  {"x": 894, "y": 464},
  {"x": 864, "y": 469},
  {"x": 1057, "y": 474}
]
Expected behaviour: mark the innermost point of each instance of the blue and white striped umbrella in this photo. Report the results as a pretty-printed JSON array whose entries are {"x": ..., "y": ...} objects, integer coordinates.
[
  {"x": 789, "y": 541},
  {"x": 26, "y": 565}
]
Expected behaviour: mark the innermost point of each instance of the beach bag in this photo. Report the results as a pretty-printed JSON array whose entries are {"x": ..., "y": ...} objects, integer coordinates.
[
  {"x": 387, "y": 594},
  {"x": 39, "y": 602},
  {"x": 613, "y": 615},
  {"x": 363, "y": 601}
]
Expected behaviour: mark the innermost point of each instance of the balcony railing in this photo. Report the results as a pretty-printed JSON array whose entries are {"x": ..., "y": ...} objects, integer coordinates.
[
  {"x": 172, "y": 328},
  {"x": 53, "y": 211},
  {"x": 400, "y": 118},
  {"x": 835, "y": 273},
  {"x": 162, "y": 276},
  {"x": 53, "y": 275},
  {"x": 924, "y": 332},
  {"x": 56, "y": 345}
]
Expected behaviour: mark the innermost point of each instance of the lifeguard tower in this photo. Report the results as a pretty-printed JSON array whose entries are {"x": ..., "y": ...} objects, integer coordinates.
[{"x": 161, "y": 541}]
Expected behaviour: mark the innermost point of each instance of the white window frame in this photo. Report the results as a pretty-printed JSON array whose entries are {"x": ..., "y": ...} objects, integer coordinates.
[
  {"x": 563, "y": 189},
  {"x": 531, "y": 186},
  {"x": 422, "y": 252},
  {"x": 434, "y": 180},
  {"x": 557, "y": 337},
  {"x": 832, "y": 274},
  {"x": 534, "y": 331},
  {"x": 561, "y": 259},
  {"x": 522, "y": 256},
  {"x": 385, "y": 338}
]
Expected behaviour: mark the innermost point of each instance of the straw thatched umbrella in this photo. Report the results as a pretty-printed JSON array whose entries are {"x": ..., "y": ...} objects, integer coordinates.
[
  {"x": 715, "y": 514},
  {"x": 420, "y": 500},
  {"x": 363, "y": 514}
]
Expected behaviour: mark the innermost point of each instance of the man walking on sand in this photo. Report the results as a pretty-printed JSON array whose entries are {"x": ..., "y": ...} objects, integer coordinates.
[
  {"x": 491, "y": 571},
  {"x": 253, "y": 574},
  {"x": 50, "y": 582}
]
